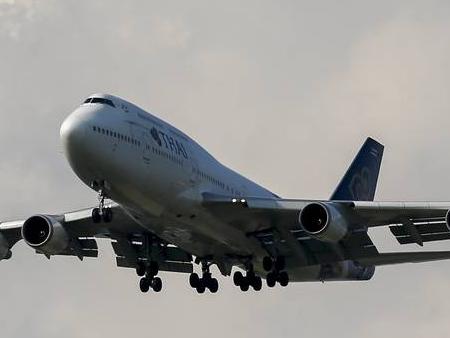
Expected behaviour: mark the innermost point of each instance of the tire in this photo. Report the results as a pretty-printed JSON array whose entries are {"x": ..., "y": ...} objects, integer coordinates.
[
  {"x": 267, "y": 263},
  {"x": 153, "y": 269},
  {"x": 271, "y": 279},
  {"x": 257, "y": 283},
  {"x": 140, "y": 270},
  {"x": 201, "y": 288},
  {"x": 144, "y": 285},
  {"x": 283, "y": 278},
  {"x": 244, "y": 286},
  {"x": 213, "y": 285},
  {"x": 280, "y": 263},
  {"x": 96, "y": 217},
  {"x": 238, "y": 278},
  {"x": 157, "y": 284},
  {"x": 107, "y": 215},
  {"x": 194, "y": 280}
]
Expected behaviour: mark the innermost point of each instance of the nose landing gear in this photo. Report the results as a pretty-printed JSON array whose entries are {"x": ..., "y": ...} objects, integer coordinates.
[{"x": 101, "y": 213}]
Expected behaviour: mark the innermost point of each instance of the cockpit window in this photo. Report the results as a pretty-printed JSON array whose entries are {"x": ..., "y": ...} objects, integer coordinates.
[
  {"x": 99, "y": 100},
  {"x": 102, "y": 101}
]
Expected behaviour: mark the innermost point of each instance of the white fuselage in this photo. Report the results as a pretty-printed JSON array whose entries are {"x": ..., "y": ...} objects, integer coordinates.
[{"x": 157, "y": 174}]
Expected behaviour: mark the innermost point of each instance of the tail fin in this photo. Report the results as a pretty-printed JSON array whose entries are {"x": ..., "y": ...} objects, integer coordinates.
[{"x": 360, "y": 181}]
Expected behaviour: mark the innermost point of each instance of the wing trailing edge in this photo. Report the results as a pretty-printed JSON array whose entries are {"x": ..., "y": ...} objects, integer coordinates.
[{"x": 404, "y": 257}]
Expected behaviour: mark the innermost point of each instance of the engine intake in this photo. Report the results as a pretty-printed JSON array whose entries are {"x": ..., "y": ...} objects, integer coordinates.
[
  {"x": 45, "y": 234},
  {"x": 324, "y": 222}
]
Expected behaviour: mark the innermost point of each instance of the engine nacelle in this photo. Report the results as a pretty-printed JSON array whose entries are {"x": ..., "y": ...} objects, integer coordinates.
[
  {"x": 346, "y": 271},
  {"x": 447, "y": 220},
  {"x": 324, "y": 222},
  {"x": 5, "y": 250},
  {"x": 45, "y": 234}
]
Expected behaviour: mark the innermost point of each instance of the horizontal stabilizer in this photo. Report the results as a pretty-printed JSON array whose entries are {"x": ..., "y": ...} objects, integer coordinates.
[{"x": 404, "y": 257}]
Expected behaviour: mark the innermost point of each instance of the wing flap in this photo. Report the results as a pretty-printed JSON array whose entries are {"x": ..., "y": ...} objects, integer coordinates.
[{"x": 404, "y": 257}]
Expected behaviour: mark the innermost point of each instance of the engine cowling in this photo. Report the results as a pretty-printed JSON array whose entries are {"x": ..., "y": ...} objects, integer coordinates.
[
  {"x": 324, "y": 222},
  {"x": 5, "y": 250},
  {"x": 45, "y": 234},
  {"x": 447, "y": 220}
]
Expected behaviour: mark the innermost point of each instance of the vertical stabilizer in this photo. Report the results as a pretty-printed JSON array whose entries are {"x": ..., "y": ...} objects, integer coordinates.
[{"x": 360, "y": 181}]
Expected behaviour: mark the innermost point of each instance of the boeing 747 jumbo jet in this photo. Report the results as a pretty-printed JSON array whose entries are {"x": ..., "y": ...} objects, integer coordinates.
[{"x": 164, "y": 200}]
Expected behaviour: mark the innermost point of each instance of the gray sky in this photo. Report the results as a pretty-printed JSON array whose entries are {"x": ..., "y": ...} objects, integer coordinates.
[{"x": 283, "y": 91}]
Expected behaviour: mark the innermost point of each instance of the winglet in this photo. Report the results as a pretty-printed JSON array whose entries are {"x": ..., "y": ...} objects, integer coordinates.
[{"x": 360, "y": 181}]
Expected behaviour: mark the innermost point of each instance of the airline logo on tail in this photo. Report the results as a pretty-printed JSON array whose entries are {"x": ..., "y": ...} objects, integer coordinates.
[{"x": 359, "y": 186}]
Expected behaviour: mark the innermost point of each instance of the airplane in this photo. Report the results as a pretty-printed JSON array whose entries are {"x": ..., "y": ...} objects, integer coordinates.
[{"x": 167, "y": 205}]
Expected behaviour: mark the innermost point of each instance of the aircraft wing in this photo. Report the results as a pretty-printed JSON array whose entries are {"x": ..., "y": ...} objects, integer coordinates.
[
  {"x": 131, "y": 243},
  {"x": 275, "y": 222}
]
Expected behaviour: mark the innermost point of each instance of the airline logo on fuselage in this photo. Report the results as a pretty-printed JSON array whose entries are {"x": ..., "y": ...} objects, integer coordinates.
[{"x": 168, "y": 142}]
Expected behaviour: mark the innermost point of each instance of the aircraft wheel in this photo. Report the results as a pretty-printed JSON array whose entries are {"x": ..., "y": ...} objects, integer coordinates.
[
  {"x": 140, "y": 270},
  {"x": 144, "y": 285},
  {"x": 238, "y": 278},
  {"x": 201, "y": 288},
  {"x": 257, "y": 283},
  {"x": 157, "y": 284},
  {"x": 271, "y": 279},
  {"x": 213, "y": 285},
  {"x": 194, "y": 280},
  {"x": 107, "y": 215},
  {"x": 244, "y": 285},
  {"x": 96, "y": 217},
  {"x": 153, "y": 269},
  {"x": 283, "y": 278}
]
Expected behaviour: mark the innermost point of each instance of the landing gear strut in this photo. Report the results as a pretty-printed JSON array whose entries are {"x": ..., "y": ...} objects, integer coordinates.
[
  {"x": 250, "y": 279},
  {"x": 101, "y": 213},
  {"x": 206, "y": 281},
  {"x": 149, "y": 277},
  {"x": 276, "y": 273}
]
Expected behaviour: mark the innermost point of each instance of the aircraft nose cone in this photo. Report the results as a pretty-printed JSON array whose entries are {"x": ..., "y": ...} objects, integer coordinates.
[{"x": 72, "y": 134}]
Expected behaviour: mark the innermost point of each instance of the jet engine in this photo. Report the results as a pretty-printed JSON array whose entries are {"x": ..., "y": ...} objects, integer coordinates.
[
  {"x": 324, "y": 222},
  {"x": 447, "y": 220},
  {"x": 45, "y": 234}
]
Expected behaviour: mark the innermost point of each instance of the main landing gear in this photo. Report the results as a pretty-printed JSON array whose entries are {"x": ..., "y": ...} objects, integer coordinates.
[
  {"x": 276, "y": 273},
  {"x": 102, "y": 213},
  {"x": 250, "y": 279},
  {"x": 149, "y": 277},
  {"x": 205, "y": 282}
]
